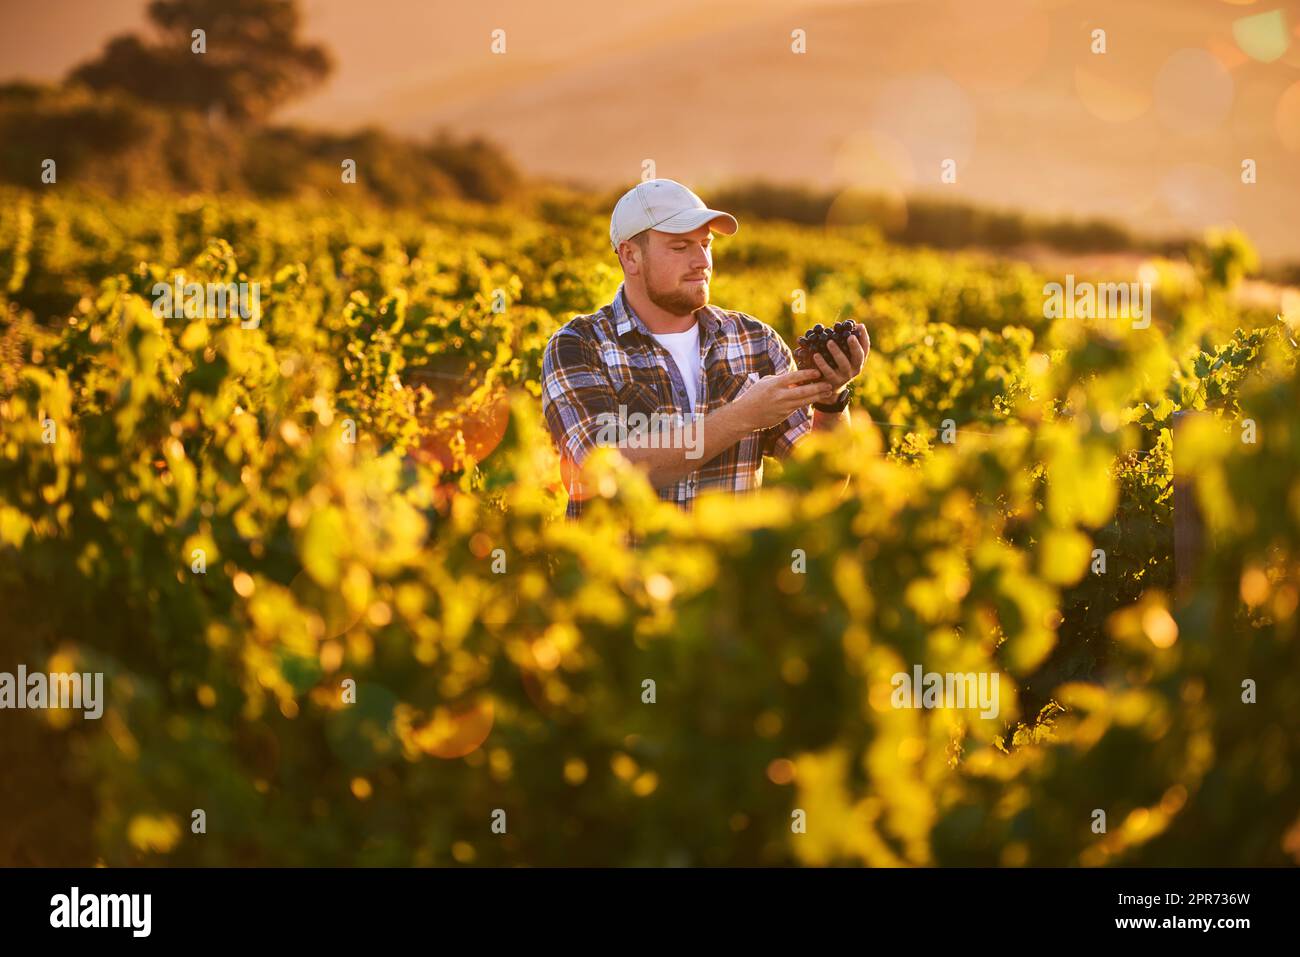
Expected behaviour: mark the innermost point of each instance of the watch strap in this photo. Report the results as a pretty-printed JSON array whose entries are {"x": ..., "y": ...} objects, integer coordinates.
[{"x": 839, "y": 405}]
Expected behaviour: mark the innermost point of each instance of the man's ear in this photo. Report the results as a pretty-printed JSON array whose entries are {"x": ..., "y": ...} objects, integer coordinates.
[{"x": 628, "y": 255}]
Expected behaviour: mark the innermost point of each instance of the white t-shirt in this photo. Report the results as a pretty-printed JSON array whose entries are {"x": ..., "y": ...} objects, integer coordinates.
[{"x": 685, "y": 349}]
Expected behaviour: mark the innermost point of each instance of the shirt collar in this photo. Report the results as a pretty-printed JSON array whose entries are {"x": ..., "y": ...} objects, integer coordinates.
[{"x": 625, "y": 318}]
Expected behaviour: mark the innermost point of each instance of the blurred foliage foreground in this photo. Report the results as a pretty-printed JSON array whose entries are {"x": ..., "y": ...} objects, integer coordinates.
[{"x": 395, "y": 651}]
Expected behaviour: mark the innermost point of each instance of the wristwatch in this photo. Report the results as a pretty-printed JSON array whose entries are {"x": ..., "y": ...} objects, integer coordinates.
[{"x": 840, "y": 403}]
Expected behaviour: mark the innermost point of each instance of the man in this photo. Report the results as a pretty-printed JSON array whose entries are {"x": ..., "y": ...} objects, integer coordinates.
[{"x": 660, "y": 351}]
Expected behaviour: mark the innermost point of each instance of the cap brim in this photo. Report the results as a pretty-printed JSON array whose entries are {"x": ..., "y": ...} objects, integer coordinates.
[{"x": 692, "y": 219}]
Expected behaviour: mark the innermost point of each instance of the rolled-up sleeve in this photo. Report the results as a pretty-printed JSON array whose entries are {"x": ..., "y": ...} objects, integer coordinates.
[
  {"x": 780, "y": 439},
  {"x": 576, "y": 394}
]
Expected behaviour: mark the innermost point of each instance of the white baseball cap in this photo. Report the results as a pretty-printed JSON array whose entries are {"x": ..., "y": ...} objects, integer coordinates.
[{"x": 667, "y": 206}]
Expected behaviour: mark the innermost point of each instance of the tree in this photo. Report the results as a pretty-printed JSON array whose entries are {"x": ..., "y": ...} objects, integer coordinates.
[{"x": 252, "y": 61}]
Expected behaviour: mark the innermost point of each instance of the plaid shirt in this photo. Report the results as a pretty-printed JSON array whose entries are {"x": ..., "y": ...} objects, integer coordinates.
[{"x": 596, "y": 363}]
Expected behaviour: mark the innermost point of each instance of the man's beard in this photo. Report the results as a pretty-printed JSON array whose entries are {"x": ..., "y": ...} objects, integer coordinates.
[{"x": 677, "y": 301}]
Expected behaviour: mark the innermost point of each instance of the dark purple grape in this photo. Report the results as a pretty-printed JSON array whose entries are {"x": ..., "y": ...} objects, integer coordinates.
[{"x": 817, "y": 340}]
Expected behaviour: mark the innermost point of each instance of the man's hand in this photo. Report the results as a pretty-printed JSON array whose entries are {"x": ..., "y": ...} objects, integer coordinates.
[
  {"x": 768, "y": 401},
  {"x": 847, "y": 368},
  {"x": 764, "y": 404},
  {"x": 772, "y": 398}
]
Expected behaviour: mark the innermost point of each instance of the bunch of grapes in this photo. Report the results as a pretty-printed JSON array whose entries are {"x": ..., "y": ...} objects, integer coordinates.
[{"x": 816, "y": 340}]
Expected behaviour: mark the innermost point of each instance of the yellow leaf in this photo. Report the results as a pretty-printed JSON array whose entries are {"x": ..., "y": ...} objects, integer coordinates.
[
  {"x": 155, "y": 834},
  {"x": 321, "y": 543},
  {"x": 1063, "y": 556}
]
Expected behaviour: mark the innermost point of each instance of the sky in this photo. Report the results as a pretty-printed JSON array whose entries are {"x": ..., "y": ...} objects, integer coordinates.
[{"x": 1007, "y": 103}]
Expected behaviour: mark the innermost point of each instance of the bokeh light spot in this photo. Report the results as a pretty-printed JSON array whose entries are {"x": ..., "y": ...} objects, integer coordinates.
[
  {"x": 1287, "y": 118},
  {"x": 1263, "y": 36},
  {"x": 1193, "y": 92}
]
